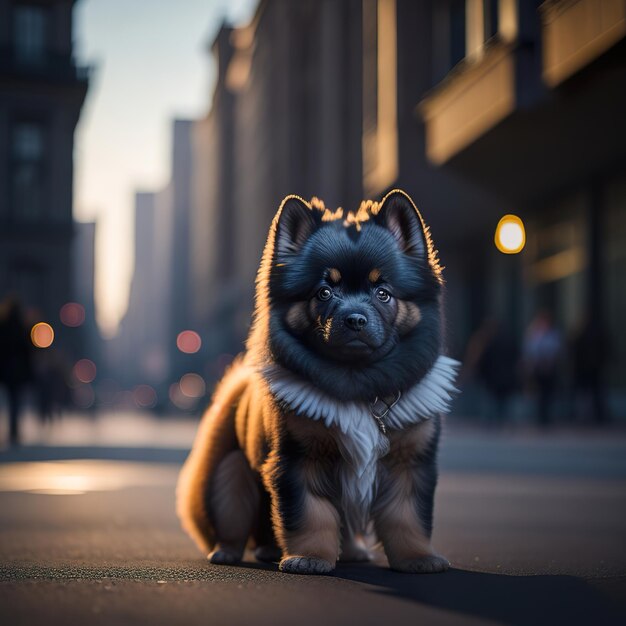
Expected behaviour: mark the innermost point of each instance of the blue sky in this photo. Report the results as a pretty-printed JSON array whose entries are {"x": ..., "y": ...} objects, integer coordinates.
[{"x": 151, "y": 64}]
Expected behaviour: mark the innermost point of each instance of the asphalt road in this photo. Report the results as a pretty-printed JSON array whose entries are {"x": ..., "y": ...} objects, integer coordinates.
[{"x": 533, "y": 525}]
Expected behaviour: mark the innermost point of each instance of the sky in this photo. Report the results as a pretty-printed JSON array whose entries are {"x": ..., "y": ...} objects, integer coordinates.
[{"x": 151, "y": 64}]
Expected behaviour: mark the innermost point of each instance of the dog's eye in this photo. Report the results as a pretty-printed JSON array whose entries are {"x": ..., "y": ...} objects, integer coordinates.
[
  {"x": 325, "y": 293},
  {"x": 383, "y": 295}
]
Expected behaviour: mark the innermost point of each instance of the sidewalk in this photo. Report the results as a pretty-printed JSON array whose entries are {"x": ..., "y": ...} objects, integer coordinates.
[
  {"x": 466, "y": 446},
  {"x": 127, "y": 429}
]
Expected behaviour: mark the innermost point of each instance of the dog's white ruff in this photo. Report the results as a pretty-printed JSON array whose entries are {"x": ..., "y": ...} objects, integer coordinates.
[{"x": 360, "y": 440}]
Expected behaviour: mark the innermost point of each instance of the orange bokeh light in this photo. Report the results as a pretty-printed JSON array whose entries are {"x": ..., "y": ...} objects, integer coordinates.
[
  {"x": 179, "y": 399},
  {"x": 42, "y": 335},
  {"x": 72, "y": 314},
  {"x": 192, "y": 385},
  {"x": 188, "y": 342},
  {"x": 85, "y": 370}
]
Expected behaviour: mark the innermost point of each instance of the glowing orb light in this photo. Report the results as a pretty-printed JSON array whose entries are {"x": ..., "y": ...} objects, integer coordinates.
[
  {"x": 192, "y": 385},
  {"x": 188, "y": 342},
  {"x": 85, "y": 370},
  {"x": 42, "y": 335},
  {"x": 510, "y": 237},
  {"x": 72, "y": 314}
]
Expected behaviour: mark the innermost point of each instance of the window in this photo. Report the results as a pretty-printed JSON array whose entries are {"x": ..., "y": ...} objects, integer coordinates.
[
  {"x": 457, "y": 32},
  {"x": 27, "y": 179},
  {"x": 29, "y": 34},
  {"x": 490, "y": 18},
  {"x": 486, "y": 19}
]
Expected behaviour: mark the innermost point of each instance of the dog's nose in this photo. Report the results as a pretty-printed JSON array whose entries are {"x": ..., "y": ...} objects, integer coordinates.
[{"x": 356, "y": 321}]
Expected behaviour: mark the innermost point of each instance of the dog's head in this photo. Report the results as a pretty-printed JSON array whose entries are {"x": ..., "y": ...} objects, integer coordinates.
[{"x": 353, "y": 300}]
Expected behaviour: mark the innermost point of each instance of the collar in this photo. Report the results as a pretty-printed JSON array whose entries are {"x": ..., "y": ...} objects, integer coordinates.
[{"x": 432, "y": 395}]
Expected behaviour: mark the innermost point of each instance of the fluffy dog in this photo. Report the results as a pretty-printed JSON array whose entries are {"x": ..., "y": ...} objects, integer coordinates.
[{"x": 331, "y": 419}]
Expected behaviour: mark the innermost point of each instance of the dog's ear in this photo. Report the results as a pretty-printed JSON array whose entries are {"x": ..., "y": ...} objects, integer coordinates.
[
  {"x": 296, "y": 222},
  {"x": 400, "y": 216}
]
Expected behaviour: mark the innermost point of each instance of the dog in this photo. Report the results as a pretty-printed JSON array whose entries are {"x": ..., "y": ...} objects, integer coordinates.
[{"x": 331, "y": 418}]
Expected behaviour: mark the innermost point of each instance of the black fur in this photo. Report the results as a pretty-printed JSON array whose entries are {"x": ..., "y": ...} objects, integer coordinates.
[{"x": 395, "y": 242}]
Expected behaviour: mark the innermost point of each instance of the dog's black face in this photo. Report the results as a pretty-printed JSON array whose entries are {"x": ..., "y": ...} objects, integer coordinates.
[{"x": 354, "y": 304}]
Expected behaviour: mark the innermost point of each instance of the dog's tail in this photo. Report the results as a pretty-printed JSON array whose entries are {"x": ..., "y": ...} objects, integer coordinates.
[{"x": 214, "y": 440}]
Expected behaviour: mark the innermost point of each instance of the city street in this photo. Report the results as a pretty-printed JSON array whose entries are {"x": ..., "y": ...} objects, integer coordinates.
[{"x": 533, "y": 524}]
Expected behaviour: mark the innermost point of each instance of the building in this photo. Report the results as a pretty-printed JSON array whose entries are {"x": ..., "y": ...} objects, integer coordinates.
[
  {"x": 87, "y": 337},
  {"x": 41, "y": 95},
  {"x": 530, "y": 106},
  {"x": 285, "y": 118},
  {"x": 145, "y": 350}
]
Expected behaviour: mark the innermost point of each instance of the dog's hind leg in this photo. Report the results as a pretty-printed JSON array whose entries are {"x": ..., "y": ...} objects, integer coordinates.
[
  {"x": 216, "y": 439},
  {"x": 233, "y": 502}
]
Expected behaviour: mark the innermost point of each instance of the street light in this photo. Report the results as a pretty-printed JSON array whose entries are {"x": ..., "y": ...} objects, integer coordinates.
[
  {"x": 510, "y": 237},
  {"x": 42, "y": 335}
]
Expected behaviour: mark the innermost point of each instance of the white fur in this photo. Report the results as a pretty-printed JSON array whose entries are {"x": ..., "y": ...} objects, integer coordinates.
[{"x": 360, "y": 440}]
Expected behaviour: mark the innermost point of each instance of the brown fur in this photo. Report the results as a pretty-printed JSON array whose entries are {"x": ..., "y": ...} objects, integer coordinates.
[
  {"x": 409, "y": 316},
  {"x": 374, "y": 275},
  {"x": 334, "y": 274}
]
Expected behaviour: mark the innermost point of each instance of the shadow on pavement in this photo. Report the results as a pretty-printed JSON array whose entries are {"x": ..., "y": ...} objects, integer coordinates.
[
  {"x": 541, "y": 599},
  {"x": 510, "y": 599}
]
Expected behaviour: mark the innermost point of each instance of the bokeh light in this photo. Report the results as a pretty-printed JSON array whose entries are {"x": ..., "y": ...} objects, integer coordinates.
[
  {"x": 510, "y": 237},
  {"x": 192, "y": 385},
  {"x": 179, "y": 399},
  {"x": 42, "y": 335},
  {"x": 85, "y": 370},
  {"x": 84, "y": 396},
  {"x": 72, "y": 314},
  {"x": 188, "y": 341},
  {"x": 145, "y": 396}
]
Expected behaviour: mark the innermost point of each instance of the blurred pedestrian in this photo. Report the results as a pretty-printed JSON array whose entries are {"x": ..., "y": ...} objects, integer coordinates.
[
  {"x": 15, "y": 360},
  {"x": 493, "y": 359},
  {"x": 543, "y": 347},
  {"x": 588, "y": 350},
  {"x": 50, "y": 377}
]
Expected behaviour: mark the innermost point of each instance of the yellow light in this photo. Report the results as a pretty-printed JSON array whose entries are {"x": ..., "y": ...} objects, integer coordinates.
[
  {"x": 510, "y": 237},
  {"x": 42, "y": 335}
]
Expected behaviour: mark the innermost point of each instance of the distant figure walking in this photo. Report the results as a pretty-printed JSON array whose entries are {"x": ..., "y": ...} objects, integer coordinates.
[
  {"x": 543, "y": 345},
  {"x": 493, "y": 359},
  {"x": 15, "y": 360},
  {"x": 588, "y": 349}
]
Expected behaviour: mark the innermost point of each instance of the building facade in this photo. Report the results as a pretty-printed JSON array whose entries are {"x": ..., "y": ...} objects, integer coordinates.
[
  {"x": 531, "y": 108},
  {"x": 41, "y": 95}
]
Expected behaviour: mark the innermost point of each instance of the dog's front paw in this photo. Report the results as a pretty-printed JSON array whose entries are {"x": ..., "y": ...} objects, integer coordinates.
[
  {"x": 431, "y": 564},
  {"x": 224, "y": 556},
  {"x": 305, "y": 565}
]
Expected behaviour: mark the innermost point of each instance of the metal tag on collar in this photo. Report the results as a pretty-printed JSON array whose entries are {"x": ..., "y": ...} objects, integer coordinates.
[{"x": 381, "y": 407}]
